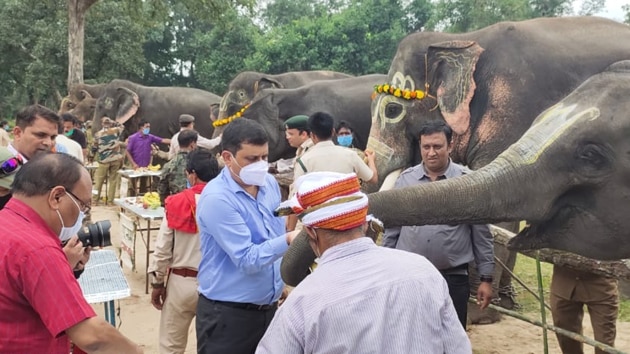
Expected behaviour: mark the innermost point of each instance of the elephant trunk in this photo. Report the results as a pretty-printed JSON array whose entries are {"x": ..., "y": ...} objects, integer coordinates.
[
  {"x": 492, "y": 194},
  {"x": 224, "y": 105}
]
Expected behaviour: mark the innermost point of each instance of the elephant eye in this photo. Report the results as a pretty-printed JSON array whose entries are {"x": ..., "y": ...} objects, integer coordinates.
[
  {"x": 70, "y": 105},
  {"x": 241, "y": 93},
  {"x": 393, "y": 110},
  {"x": 595, "y": 159}
]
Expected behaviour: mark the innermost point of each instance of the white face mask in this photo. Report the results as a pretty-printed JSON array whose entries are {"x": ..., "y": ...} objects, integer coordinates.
[
  {"x": 253, "y": 174},
  {"x": 67, "y": 232}
]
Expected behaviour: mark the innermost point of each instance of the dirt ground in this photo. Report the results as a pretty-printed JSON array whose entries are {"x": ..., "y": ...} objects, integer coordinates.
[{"x": 139, "y": 321}]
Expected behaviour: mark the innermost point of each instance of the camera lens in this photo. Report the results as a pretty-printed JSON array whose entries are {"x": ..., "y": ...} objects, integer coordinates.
[{"x": 97, "y": 234}]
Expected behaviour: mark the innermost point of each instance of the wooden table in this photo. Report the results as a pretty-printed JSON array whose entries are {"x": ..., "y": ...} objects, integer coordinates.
[
  {"x": 130, "y": 207},
  {"x": 134, "y": 177}
]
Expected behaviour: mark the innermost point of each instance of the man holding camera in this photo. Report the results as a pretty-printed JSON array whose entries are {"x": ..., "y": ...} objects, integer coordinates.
[{"x": 41, "y": 304}]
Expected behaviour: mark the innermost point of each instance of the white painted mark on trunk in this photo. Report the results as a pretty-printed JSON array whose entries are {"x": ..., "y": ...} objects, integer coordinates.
[
  {"x": 380, "y": 148},
  {"x": 546, "y": 130}
]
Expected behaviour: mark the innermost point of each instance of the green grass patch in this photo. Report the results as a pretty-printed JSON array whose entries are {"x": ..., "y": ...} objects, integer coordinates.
[{"x": 525, "y": 270}]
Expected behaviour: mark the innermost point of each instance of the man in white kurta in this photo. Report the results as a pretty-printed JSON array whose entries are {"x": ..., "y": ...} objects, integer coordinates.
[{"x": 361, "y": 298}]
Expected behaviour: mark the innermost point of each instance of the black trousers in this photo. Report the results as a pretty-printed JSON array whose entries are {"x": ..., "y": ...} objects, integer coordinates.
[
  {"x": 224, "y": 329},
  {"x": 459, "y": 290}
]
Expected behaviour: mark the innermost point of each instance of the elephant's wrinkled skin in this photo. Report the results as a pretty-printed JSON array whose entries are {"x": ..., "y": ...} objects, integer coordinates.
[
  {"x": 568, "y": 176},
  {"x": 244, "y": 87},
  {"x": 489, "y": 85},
  {"x": 129, "y": 103},
  {"x": 347, "y": 99},
  {"x": 81, "y": 100}
]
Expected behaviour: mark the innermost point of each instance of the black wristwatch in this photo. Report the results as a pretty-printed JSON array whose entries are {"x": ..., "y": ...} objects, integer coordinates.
[
  {"x": 157, "y": 285},
  {"x": 486, "y": 278}
]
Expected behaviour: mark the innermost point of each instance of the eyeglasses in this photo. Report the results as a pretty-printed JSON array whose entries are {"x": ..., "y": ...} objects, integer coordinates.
[
  {"x": 11, "y": 166},
  {"x": 84, "y": 207}
]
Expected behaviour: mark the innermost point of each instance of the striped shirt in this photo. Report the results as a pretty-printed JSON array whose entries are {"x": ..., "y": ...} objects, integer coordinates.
[{"x": 368, "y": 299}]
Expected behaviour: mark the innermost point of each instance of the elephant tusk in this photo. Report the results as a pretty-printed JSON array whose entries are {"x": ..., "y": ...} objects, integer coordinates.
[{"x": 390, "y": 180}]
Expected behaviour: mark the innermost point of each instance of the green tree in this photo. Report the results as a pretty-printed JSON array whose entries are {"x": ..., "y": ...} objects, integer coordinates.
[
  {"x": 283, "y": 12},
  {"x": 469, "y": 15},
  {"x": 359, "y": 38},
  {"x": 114, "y": 43},
  {"x": 34, "y": 45},
  {"x": 222, "y": 51},
  {"x": 626, "y": 8},
  {"x": 159, "y": 9}
]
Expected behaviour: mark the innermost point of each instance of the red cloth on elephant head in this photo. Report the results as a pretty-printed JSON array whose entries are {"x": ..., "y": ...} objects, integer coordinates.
[{"x": 181, "y": 208}]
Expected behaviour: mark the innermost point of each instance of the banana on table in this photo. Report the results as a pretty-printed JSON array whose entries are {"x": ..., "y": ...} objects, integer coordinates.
[{"x": 151, "y": 200}]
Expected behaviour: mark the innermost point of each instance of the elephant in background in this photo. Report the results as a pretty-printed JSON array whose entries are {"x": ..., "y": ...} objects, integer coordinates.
[
  {"x": 244, "y": 87},
  {"x": 348, "y": 99},
  {"x": 568, "y": 176},
  {"x": 488, "y": 85},
  {"x": 81, "y": 100},
  {"x": 129, "y": 103}
]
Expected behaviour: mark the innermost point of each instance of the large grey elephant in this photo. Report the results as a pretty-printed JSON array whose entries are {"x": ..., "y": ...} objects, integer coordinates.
[
  {"x": 568, "y": 176},
  {"x": 348, "y": 99},
  {"x": 129, "y": 103},
  {"x": 488, "y": 85},
  {"x": 244, "y": 87}
]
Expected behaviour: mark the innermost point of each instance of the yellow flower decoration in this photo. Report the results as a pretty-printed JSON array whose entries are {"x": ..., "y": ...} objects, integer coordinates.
[
  {"x": 398, "y": 92},
  {"x": 227, "y": 120}
]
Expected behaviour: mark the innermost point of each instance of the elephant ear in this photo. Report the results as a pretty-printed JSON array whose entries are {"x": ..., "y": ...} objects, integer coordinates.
[
  {"x": 66, "y": 105},
  {"x": 128, "y": 105},
  {"x": 450, "y": 67},
  {"x": 85, "y": 94},
  {"x": 214, "y": 112},
  {"x": 266, "y": 82}
]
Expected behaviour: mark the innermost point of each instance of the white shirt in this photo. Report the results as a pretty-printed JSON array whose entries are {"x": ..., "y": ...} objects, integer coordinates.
[
  {"x": 201, "y": 142},
  {"x": 365, "y": 299},
  {"x": 74, "y": 148}
]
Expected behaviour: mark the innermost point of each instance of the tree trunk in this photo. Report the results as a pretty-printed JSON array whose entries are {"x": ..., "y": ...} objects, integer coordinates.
[
  {"x": 616, "y": 269},
  {"x": 76, "y": 33}
]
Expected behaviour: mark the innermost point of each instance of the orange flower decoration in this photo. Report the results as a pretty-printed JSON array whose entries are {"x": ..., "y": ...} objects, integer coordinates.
[
  {"x": 227, "y": 120},
  {"x": 398, "y": 92}
]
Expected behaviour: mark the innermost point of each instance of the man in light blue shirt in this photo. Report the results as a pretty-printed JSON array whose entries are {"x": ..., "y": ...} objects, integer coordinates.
[{"x": 241, "y": 245}]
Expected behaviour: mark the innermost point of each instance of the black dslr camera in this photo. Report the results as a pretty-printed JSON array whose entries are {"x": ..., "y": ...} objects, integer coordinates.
[{"x": 97, "y": 234}]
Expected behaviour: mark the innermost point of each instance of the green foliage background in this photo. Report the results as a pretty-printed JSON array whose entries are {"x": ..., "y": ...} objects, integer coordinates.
[{"x": 205, "y": 43}]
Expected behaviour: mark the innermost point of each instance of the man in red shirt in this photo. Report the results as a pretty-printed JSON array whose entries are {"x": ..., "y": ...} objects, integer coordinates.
[{"x": 41, "y": 304}]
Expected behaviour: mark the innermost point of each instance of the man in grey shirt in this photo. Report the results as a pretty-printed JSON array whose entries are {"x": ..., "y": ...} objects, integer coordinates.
[{"x": 449, "y": 247}]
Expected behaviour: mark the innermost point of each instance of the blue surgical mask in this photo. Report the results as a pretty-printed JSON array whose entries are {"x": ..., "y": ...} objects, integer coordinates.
[
  {"x": 188, "y": 183},
  {"x": 146, "y": 131},
  {"x": 67, "y": 232},
  {"x": 345, "y": 140},
  {"x": 7, "y": 127}
]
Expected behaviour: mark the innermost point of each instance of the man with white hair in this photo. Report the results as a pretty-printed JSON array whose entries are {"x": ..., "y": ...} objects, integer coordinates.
[{"x": 361, "y": 298}]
